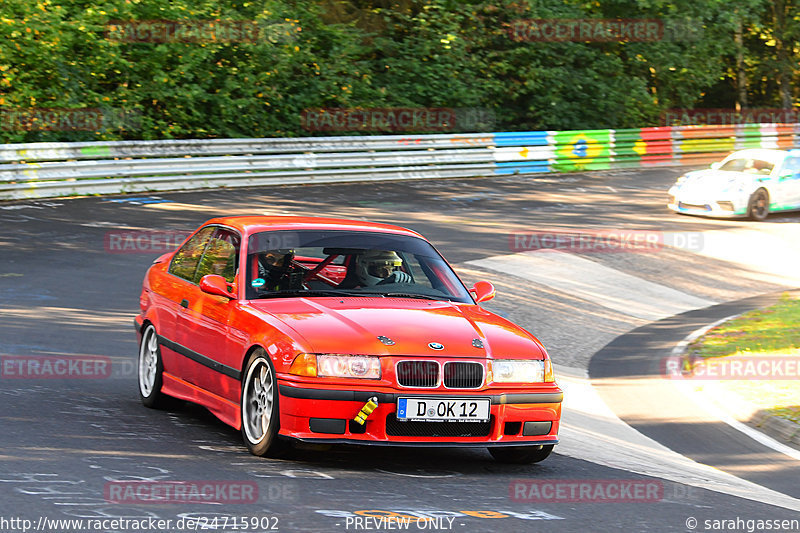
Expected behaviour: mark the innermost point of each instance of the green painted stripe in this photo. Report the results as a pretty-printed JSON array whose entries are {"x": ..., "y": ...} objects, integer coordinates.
[{"x": 776, "y": 207}]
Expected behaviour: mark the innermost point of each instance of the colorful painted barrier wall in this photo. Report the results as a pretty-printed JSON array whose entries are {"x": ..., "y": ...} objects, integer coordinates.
[
  {"x": 43, "y": 170},
  {"x": 588, "y": 150}
]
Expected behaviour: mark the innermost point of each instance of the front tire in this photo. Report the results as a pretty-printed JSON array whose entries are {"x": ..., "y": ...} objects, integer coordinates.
[
  {"x": 521, "y": 455},
  {"x": 758, "y": 206},
  {"x": 259, "y": 406},
  {"x": 151, "y": 369}
]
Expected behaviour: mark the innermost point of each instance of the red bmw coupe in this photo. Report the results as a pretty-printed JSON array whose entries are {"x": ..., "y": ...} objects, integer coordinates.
[{"x": 340, "y": 331}]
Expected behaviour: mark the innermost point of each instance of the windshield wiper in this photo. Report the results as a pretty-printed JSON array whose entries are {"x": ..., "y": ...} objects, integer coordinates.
[
  {"x": 288, "y": 293},
  {"x": 406, "y": 295}
]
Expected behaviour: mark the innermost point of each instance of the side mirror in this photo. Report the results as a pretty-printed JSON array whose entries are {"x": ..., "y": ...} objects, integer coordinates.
[
  {"x": 715, "y": 165},
  {"x": 216, "y": 285},
  {"x": 482, "y": 291}
]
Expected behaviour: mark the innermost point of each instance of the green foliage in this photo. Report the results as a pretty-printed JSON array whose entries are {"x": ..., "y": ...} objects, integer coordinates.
[
  {"x": 64, "y": 54},
  {"x": 775, "y": 329}
]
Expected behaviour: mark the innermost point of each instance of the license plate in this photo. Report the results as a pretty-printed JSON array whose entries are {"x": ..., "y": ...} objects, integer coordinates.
[{"x": 443, "y": 409}]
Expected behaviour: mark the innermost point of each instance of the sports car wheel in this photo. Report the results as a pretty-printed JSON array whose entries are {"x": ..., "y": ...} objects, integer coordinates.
[
  {"x": 259, "y": 406},
  {"x": 521, "y": 455},
  {"x": 758, "y": 206},
  {"x": 150, "y": 369}
]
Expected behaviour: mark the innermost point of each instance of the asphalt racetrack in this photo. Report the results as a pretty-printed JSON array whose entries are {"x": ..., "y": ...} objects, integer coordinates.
[{"x": 69, "y": 286}]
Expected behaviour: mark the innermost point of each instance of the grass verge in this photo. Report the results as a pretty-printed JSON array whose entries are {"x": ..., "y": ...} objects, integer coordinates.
[
  {"x": 774, "y": 330},
  {"x": 771, "y": 333}
]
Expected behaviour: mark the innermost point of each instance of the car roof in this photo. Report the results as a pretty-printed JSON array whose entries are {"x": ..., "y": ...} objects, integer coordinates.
[
  {"x": 764, "y": 154},
  {"x": 249, "y": 224}
]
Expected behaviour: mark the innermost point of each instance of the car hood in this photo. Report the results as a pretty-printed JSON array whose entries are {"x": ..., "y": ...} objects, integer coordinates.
[
  {"x": 712, "y": 180},
  {"x": 354, "y": 325}
]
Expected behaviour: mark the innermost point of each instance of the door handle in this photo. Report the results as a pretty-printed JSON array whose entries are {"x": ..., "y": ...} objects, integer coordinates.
[{"x": 185, "y": 303}]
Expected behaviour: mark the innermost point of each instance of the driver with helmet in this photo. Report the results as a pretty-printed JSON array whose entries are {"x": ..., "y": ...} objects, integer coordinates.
[
  {"x": 379, "y": 267},
  {"x": 275, "y": 268}
]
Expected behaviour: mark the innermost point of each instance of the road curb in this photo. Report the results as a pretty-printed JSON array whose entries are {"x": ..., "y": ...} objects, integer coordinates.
[{"x": 776, "y": 427}]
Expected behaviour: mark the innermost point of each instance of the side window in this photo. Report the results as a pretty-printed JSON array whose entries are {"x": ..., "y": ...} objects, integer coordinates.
[
  {"x": 184, "y": 264},
  {"x": 793, "y": 164},
  {"x": 735, "y": 165},
  {"x": 762, "y": 167},
  {"x": 221, "y": 256}
]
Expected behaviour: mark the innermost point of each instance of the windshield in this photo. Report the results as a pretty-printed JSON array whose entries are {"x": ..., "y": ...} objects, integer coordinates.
[
  {"x": 348, "y": 263},
  {"x": 750, "y": 166},
  {"x": 792, "y": 164}
]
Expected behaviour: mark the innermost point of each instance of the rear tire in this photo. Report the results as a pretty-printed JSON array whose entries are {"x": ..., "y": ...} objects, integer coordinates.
[
  {"x": 150, "y": 369},
  {"x": 259, "y": 407},
  {"x": 758, "y": 205},
  {"x": 521, "y": 455}
]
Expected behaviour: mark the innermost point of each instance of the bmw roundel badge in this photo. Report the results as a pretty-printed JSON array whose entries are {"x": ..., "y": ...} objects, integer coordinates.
[{"x": 435, "y": 346}]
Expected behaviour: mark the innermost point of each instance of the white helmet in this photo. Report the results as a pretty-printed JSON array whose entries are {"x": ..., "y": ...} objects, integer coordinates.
[{"x": 374, "y": 266}]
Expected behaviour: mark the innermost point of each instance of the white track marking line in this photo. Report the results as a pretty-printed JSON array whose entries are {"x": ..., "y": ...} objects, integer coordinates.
[
  {"x": 680, "y": 348},
  {"x": 596, "y": 283},
  {"x": 761, "y": 438}
]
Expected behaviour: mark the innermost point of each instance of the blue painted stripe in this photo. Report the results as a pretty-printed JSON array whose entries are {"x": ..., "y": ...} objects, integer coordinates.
[
  {"x": 138, "y": 200},
  {"x": 522, "y": 168},
  {"x": 521, "y": 138}
]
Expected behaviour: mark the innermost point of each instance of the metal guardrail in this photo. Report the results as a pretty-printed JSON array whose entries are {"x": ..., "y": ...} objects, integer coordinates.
[
  {"x": 208, "y": 147},
  {"x": 41, "y": 170}
]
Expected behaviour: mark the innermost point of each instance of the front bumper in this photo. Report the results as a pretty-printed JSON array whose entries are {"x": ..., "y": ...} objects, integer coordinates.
[
  {"x": 706, "y": 210},
  {"x": 326, "y": 416},
  {"x": 723, "y": 206}
]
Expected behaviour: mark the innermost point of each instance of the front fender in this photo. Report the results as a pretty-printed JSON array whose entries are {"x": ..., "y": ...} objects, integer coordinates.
[{"x": 281, "y": 342}]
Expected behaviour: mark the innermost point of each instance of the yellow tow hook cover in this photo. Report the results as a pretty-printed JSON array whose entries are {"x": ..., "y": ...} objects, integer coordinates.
[{"x": 370, "y": 406}]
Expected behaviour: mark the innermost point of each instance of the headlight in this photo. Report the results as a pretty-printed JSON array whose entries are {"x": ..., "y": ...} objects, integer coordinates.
[
  {"x": 337, "y": 366},
  {"x": 349, "y": 366},
  {"x": 514, "y": 371}
]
